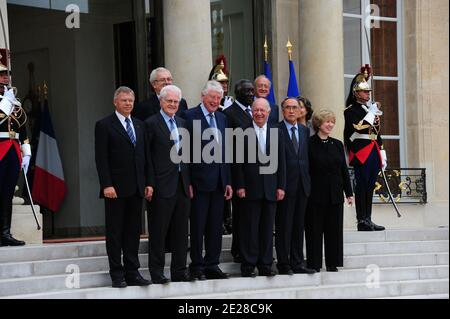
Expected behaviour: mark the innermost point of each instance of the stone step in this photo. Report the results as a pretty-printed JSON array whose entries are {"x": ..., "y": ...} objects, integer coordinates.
[
  {"x": 354, "y": 258},
  {"x": 435, "y": 296},
  {"x": 279, "y": 287},
  {"x": 87, "y": 249},
  {"x": 55, "y": 286},
  {"x": 351, "y": 291}
]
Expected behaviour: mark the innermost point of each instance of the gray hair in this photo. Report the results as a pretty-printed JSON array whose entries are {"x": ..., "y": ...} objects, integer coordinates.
[
  {"x": 212, "y": 86},
  {"x": 123, "y": 89},
  {"x": 154, "y": 73},
  {"x": 262, "y": 76},
  {"x": 170, "y": 88},
  {"x": 265, "y": 102}
]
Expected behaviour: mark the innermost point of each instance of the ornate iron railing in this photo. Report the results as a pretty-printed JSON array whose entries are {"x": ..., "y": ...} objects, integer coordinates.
[{"x": 408, "y": 185}]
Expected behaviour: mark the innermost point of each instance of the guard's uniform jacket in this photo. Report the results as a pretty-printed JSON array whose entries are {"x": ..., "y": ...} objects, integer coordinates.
[
  {"x": 13, "y": 130},
  {"x": 361, "y": 138}
]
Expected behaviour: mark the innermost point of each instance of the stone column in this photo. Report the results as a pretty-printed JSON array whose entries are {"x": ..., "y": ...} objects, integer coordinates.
[
  {"x": 321, "y": 56},
  {"x": 187, "y": 45}
]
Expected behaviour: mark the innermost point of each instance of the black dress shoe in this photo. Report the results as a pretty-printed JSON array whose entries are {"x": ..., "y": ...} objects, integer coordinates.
[
  {"x": 287, "y": 271},
  {"x": 332, "y": 269},
  {"x": 119, "y": 283},
  {"x": 199, "y": 275},
  {"x": 9, "y": 240},
  {"x": 364, "y": 225},
  {"x": 248, "y": 274},
  {"x": 317, "y": 269},
  {"x": 137, "y": 281},
  {"x": 304, "y": 270},
  {"x": 216, "y": 274},
  {"x": 182, "y": 278},
  {"x": 376, "y": 227},
  {"x": 266, "y": 272},
  {"x": 160, "y": 279}
]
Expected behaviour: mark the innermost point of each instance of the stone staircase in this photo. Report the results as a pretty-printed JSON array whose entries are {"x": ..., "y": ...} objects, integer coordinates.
[{"x": 389, "y": 264}]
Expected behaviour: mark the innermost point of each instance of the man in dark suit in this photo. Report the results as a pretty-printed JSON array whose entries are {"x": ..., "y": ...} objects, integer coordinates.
[
  {"x": 159, "y": 78},
  {"x": 262, "y": 90},
  {"x": 120, "y": 157},
  {"x": 239, "y": 116},
  {"x": 170, "y": 179},
  {"x": 260, "y": 191},
  {"x": 211, "y": 179},
  {"x": 290, "y": 217}
]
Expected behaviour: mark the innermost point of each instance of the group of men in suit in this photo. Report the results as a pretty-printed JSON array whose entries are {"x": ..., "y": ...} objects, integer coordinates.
[{"x": 137, "y": 159}]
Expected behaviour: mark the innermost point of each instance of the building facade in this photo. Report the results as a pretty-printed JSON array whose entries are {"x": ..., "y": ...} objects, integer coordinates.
[{"x": 84, "y": 56}]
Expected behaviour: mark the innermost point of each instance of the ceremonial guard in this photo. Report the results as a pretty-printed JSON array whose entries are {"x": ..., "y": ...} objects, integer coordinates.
[
  {"x": 15, "y": 152},
  {"x": 364, "y": 146},
  {"x": 219, "y": 74}
]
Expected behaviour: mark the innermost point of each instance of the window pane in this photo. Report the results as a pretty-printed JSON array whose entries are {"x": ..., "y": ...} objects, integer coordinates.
[
  {"x": 352, "y": 45},
  {"x": 384, "y": 49},
  {"x": 385, "y": 8},
  {"x": 352, "y": 6},
  {"x": 386, "y": 92},
  {"x": 232, "y": 35},
  {"x": 392, "y": 148}
]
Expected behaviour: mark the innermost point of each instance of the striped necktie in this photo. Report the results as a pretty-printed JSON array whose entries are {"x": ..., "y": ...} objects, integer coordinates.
[{"x": 130, "y": 131}]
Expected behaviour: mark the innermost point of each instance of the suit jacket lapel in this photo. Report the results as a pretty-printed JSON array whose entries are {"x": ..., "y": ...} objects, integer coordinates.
[
  {"x": 164, "y": 129},
  {"x": 119, "y": 127},
  {"x": 288, "y": 139}
]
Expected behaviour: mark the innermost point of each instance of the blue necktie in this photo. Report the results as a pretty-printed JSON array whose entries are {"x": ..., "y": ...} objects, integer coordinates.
[
  {"x": 212, "y": 124},
  {"x": 249, "y": 111},
  {"x": 294, "y": 139},
  {"x": 130, "y": 131},
  {"x": 176, "y": 137}
]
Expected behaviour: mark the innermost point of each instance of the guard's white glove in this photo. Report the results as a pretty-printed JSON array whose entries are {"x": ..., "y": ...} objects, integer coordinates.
[
  {"x": 8, "y": 101},
  {"x": 26, "y": 163},
  {"x": 375, "y": 110},
  {"x": 227, "y": 101},
  {"x": 383, "y": 159},
  {"x": 26, "y": 155}
]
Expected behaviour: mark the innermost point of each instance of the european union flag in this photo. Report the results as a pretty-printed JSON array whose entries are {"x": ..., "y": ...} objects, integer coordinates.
[
  {"x": 268, "y": 74},
  {"x": 293, "y": 90}
]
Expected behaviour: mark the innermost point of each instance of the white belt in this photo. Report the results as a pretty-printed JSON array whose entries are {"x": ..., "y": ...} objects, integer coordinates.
[
  {"x": 357, "y": 136},
  {"x": 15, "y": 136}
]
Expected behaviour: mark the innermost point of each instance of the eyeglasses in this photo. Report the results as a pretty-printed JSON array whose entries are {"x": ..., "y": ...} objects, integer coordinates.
[
  {"x": 172, "y": 101},
  {"x": 291, "y": 107},
  {"x": 164, "y": 80}
]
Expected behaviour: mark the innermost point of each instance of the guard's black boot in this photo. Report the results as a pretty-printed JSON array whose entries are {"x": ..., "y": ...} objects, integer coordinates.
[
  {"x": 5, "y": 227},
  {"x": 364, "y": 225},
  {"x": 9, "y": 240},
  {"x": 369, "y": 213}
]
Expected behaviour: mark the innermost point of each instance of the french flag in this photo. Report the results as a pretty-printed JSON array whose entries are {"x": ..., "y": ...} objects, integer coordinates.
[{"x": 49, "y": 187}]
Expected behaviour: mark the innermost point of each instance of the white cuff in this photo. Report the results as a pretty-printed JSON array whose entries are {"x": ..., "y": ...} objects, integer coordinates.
[
  {"x": 26, "y": 149},
  {"x": 369, "y": 118}
]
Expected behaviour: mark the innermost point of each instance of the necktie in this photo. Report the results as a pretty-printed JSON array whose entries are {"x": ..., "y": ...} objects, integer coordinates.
[
  {"x": 130, "y": 131},
  {"x": 212, "y": 124},
  {"x": 175, "y": 137},
  {"x": 261, "y": 140},
  {"x": 294, "y": 139},
  {"x": 249, "y": 111},
  {"x": 174, "y": 133}
]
